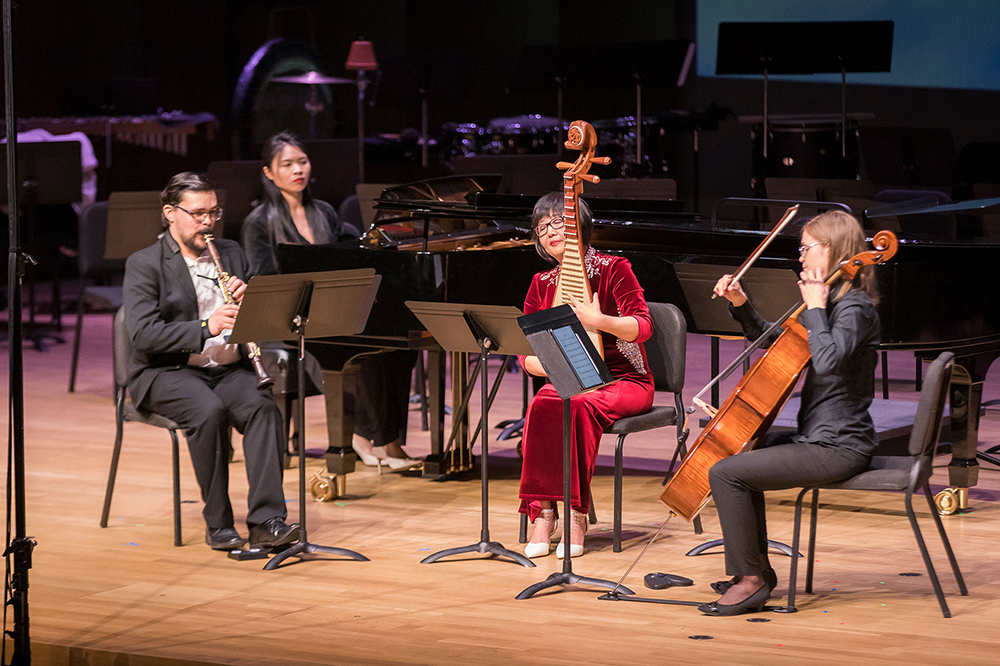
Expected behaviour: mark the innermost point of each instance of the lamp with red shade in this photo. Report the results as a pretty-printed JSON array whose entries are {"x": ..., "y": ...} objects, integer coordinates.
[{"x": 362, "y": 59}]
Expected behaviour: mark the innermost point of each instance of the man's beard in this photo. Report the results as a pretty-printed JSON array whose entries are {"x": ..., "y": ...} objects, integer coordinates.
[{"x": 192, "y": 243}]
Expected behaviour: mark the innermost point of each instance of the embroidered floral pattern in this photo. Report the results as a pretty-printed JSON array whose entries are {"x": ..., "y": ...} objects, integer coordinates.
[
  {"x": 631, "y": 351},
  {"x": 594, "y": 262},
  {"x": 550, "y": 276}
]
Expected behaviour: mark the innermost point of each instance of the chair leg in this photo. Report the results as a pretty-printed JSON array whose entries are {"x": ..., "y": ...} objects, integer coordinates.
[
  {"x": 176, "y": 463},
  {"x": 793, "y": 570},
  {"x": 522, "y": 535},
  {"x": 926, "y": 554},
  {"x": 619, "y": 471},
  {"x": 885, "y": 375},
  {"x": 113, "y": 472},
  {"x": 592, "y": 514},
  {"x": 813, "y": 517},
  {"x": 946, "y": 542},
  {"x": 81, "y": 300}
]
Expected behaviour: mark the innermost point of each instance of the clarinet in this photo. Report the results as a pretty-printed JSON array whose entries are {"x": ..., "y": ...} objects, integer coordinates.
[{"x": 253, "y": 351}]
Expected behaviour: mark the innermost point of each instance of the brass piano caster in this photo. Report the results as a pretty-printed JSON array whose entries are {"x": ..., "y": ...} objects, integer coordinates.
[
  {"x": 950, "y": 500},
  {"x": 326, "y": 487}
]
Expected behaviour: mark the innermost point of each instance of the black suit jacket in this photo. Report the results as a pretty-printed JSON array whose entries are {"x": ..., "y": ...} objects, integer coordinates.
[{"x": 161, "y": 309}]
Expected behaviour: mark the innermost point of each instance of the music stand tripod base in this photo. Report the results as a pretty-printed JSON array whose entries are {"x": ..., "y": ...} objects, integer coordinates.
[
  {"x": 776, "y": 545},
  {"x": 303, "y": 549}
]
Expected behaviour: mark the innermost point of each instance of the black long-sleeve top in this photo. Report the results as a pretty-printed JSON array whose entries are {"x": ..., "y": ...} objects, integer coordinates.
[
  {"x": 269, "y": 224},
  {"x": 837, "y": 390}
]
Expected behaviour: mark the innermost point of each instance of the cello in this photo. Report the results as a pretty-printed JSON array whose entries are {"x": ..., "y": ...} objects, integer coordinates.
[{"x": 750, "y": 410}]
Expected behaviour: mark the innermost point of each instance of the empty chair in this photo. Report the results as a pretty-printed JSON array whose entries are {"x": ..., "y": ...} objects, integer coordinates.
[
  {"x": 93, "y": 266},
  {"x": 349, "y": 213}
]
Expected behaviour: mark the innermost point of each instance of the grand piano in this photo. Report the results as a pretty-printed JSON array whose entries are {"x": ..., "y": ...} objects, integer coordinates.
[{"x": 454, "y": 240}]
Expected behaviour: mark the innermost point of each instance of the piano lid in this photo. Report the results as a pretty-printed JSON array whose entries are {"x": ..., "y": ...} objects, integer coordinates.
[
  {"x": 469, "y": 205},
  {"x": 924, "y": 219}
]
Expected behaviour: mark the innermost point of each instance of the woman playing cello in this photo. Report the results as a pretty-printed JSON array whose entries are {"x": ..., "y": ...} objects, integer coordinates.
[{"x": 835, "y": 436}]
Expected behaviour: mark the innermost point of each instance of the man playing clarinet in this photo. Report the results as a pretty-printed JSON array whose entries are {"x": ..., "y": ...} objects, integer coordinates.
[{"x": 183, "y": 367}]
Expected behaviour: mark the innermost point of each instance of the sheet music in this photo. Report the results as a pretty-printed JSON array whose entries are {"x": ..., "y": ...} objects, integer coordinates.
[{"x": 578, "y": 357}]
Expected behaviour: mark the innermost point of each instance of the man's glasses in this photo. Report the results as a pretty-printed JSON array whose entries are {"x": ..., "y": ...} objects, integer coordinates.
[
  {"x": 556, "y": 222},
  {"x": 202, "y": 215}
]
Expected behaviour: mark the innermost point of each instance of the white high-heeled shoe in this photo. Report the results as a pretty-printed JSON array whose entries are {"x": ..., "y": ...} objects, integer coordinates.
[
  {"x": 394, "y": 464},
  {"x": 542, "y": 548},
  {"x": 367, "y": 457},
  {"x": 580, "y": 522}
]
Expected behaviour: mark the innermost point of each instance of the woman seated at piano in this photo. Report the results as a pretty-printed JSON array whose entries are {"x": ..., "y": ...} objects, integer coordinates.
[
  {"x": 290, "y": 214},
  {"x": 835, "y": 435},
  {"x": 618, "y": 311}
]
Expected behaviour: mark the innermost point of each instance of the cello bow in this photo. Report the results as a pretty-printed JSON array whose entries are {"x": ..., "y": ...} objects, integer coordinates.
[{"x": 782, "y": 223}]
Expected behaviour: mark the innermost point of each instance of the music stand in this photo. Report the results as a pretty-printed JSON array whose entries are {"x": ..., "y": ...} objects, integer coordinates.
[
  {"x": 573, "y": 366},
  {"x": 483, "y": 329},
  {"x": 805, "y": 47},
  {"x": 48, "y": 173},
  {"x": 277, "y": 308}
]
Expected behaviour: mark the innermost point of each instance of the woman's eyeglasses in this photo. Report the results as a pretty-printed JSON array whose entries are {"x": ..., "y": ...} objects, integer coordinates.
[
  {"x": 803, "y": 249},
  {"x": 556, "y": 222}
]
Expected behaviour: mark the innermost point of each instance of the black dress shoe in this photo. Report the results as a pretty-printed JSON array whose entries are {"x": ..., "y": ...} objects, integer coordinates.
[
  {"x": 752, "y": 604},
  {"x": 720, "y": 586},
  {"x": 273, "y": 533},
  {"x": 224, "y": 538}
]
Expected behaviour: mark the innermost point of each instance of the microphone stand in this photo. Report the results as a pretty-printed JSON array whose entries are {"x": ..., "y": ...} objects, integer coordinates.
[{"x": 19, "y": 549}]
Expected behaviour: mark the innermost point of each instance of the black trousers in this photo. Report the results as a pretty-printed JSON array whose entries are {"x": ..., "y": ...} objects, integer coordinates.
[
  {"x": 206, "y": 403},
  {"x": 738, "y": 485}
]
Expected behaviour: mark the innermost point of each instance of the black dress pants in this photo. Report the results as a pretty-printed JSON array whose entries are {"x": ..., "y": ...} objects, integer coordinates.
[
  {"x": 205, "y": 403},
  {"x": 738, "y": 485}
]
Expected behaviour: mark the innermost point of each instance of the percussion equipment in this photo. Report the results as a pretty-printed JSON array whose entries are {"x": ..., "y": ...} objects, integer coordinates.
[
  {"x": 523, "y": 135},
  {"x": 461, "y": 139},
  {"x": 617, "y": 138},
  {"x": 805, "y": 148},
  {"x": 312, "y": 78}
]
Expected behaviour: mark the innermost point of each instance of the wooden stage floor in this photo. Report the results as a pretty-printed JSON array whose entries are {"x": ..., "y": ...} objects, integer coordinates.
[{"x": 126, "y": 596}]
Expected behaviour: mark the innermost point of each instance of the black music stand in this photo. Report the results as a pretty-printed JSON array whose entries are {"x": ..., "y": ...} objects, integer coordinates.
[
  {"x": 277, "y": 308},
  {"x": 483, "y": 329},
  {"x": 573, "y": 366},
  {"x": 805, "y": 47},
  {"x": 48, "y": 174}
]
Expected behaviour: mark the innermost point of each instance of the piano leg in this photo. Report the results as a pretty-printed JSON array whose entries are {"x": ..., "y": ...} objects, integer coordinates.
[
  {"x": 434, "y": 464},
  {"x": 339, "y": 393},
  {"x": 965, "y": 399}
]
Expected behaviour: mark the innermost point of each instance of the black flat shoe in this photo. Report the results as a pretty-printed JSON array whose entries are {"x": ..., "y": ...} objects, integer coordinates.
[
  {"x": 224, "y": 538},
  {"x": 720, "y": 586},
  {"x": 273, "y": 533},
  {"x": 752, "y": 604}
]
